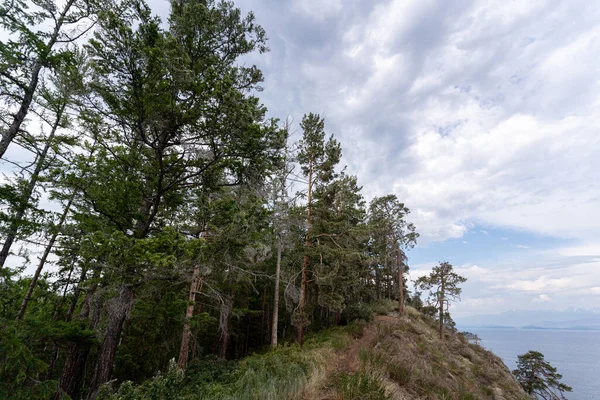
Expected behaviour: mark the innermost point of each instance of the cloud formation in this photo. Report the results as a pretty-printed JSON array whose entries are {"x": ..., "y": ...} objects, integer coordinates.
[
  {"x": 478, "y": 114},
  {"x": 473, "y": 112}
]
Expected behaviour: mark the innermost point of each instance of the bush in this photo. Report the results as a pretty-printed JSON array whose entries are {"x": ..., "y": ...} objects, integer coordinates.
[
  {"x": 21, "y": 372},
  {"x": 356, "y": 328},
  {"x": 383, "y": 307},
  {"x": 161, "y": 387},
  {"x": 276, "y": 374},
  {"x": 355, "y": 312}
]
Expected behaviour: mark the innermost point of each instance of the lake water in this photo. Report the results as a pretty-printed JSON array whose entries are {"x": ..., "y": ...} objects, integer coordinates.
[{"x": 576, "y": 354}]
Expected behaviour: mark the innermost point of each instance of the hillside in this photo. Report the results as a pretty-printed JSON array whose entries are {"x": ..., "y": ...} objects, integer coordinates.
[
  {"x": 389, "y": 358},
  {"x": 403, "y": 358}
]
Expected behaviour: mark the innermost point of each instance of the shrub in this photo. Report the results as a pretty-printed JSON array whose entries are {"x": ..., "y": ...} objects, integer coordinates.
[
  {"x": 277, "y": 374},
  {"x": 162, "y": 387},
  {"x": 383, "y": 307},
  {"x": 355, "y": 312}
]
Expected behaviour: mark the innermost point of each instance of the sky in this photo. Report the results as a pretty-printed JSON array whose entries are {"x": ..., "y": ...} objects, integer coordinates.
[{"x": 482, "y": 116}]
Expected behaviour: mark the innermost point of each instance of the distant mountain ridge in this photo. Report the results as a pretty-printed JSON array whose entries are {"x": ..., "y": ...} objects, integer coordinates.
[{"x": 570, "y": 318}]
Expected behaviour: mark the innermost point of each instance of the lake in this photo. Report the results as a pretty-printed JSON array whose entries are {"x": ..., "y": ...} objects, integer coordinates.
[{"x": 576, "y": 354}]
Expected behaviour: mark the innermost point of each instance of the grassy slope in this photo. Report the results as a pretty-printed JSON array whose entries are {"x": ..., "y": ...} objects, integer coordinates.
[
  {"x": 402, "y": 359},
  {"x": 409, "y": 361}
]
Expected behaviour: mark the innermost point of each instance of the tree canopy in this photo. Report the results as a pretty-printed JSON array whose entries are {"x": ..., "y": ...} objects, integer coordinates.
[{"x": 184, "y": 222}]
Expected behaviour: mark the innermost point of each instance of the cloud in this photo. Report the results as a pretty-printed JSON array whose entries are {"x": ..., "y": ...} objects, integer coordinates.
[
  {"x": 543, "y": 298},
  {"x": 476, "y": 114},
  {"x": 472, "y": 112}
]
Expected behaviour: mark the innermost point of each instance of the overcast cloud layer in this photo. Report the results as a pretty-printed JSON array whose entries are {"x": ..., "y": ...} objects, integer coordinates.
[{"x": 482, "y": 116}]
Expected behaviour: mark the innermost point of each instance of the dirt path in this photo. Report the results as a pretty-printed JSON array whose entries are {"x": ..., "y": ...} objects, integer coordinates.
[{"x": 349, "y": 360}]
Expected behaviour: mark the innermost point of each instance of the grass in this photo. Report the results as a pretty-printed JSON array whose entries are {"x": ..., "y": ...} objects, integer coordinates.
[
  {"x": 282, "y": 373},
  {"x": 411, "y": 362},
  {"x": 359, "y": 386}
]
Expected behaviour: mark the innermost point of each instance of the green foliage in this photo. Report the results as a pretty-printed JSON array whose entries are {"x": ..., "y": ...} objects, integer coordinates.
[
  {"x": 165, "y": 386},
  {"x": 357, "y": 311},
  {"x": 276, "y": 374},
  {"x": 21, "y": 370},
  {"x": 538, "y": 377}
]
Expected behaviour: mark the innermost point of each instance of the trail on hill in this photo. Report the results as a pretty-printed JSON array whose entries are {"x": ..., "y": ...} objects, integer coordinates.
[
  {"x": 406, "y": 360},
  {"x": 349, "y": 359}
]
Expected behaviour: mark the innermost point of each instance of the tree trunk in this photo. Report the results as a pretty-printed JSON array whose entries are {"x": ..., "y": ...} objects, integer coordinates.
[
  {"x": 43, "y": 260},
  {"x": 56, "y": 317},
  {"x": 442, "y": 310},
  {"x": 305, "y": 259},
  {"x": 226, "y": 308},
  {"x": 400, "y": 284},
  {"x": 19, "y": 117},
  {"x": 117, "y": 310},
  {"x": 17, "y": 221},
  {"x": 118, "y": 307},
  {"x": 189, "y": 312},
  {"x": 377, "y": 283},
  {"x": 74, "y": 367},
  {"x": 276, "y": 295}
]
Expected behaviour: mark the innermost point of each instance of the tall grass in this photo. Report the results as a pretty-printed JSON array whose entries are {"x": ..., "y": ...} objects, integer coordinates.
[
  {"x": 282, "y": 373},
  {"x": 359, "y": 386}
]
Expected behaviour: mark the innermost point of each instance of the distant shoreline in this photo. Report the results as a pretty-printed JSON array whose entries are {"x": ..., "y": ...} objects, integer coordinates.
[{"x": 533, "y": 327}]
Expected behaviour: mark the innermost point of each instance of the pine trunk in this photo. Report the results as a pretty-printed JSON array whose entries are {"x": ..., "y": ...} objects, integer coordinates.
[
  {"x": 29, "y": 94},
  {"x": 189, "y": 312},
  {"x": 77, "y": 354},
  {"x": 400, "y": 286},
  {"x": 276, "y": 295},
  {"x": 442, "y": 310},
  {"x": 17, "y": 219},
  {"x": 43, "y": 260},
  {"x": 117, "y": 310},
  {"x": 305, "y": 259},
  {"x": 226, "y": 308}
]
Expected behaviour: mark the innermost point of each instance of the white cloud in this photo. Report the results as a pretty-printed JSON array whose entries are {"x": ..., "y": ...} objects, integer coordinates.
[
  {"x": 476, "y": 114},
  {"x": 542, "y": 298},
  {"x": 320, "y": 9}
]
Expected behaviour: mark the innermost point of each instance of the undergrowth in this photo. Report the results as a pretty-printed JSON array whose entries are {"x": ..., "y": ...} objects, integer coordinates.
[{"x": 277, "y": 374}]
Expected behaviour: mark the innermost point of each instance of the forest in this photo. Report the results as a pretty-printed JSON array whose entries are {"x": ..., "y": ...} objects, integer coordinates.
[{"x": 152, "y": 210}]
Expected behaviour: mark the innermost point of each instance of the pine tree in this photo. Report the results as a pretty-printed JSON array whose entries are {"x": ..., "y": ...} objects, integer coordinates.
[
  {"x": 317, "y": 158},
  {"x": 169, "y": 111},
  {"x": 538, "y": 378},
  {"x": 391, "y": 234},
  {"x": 443, "y": 288},
  {"x": 27, "y": 52}
]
